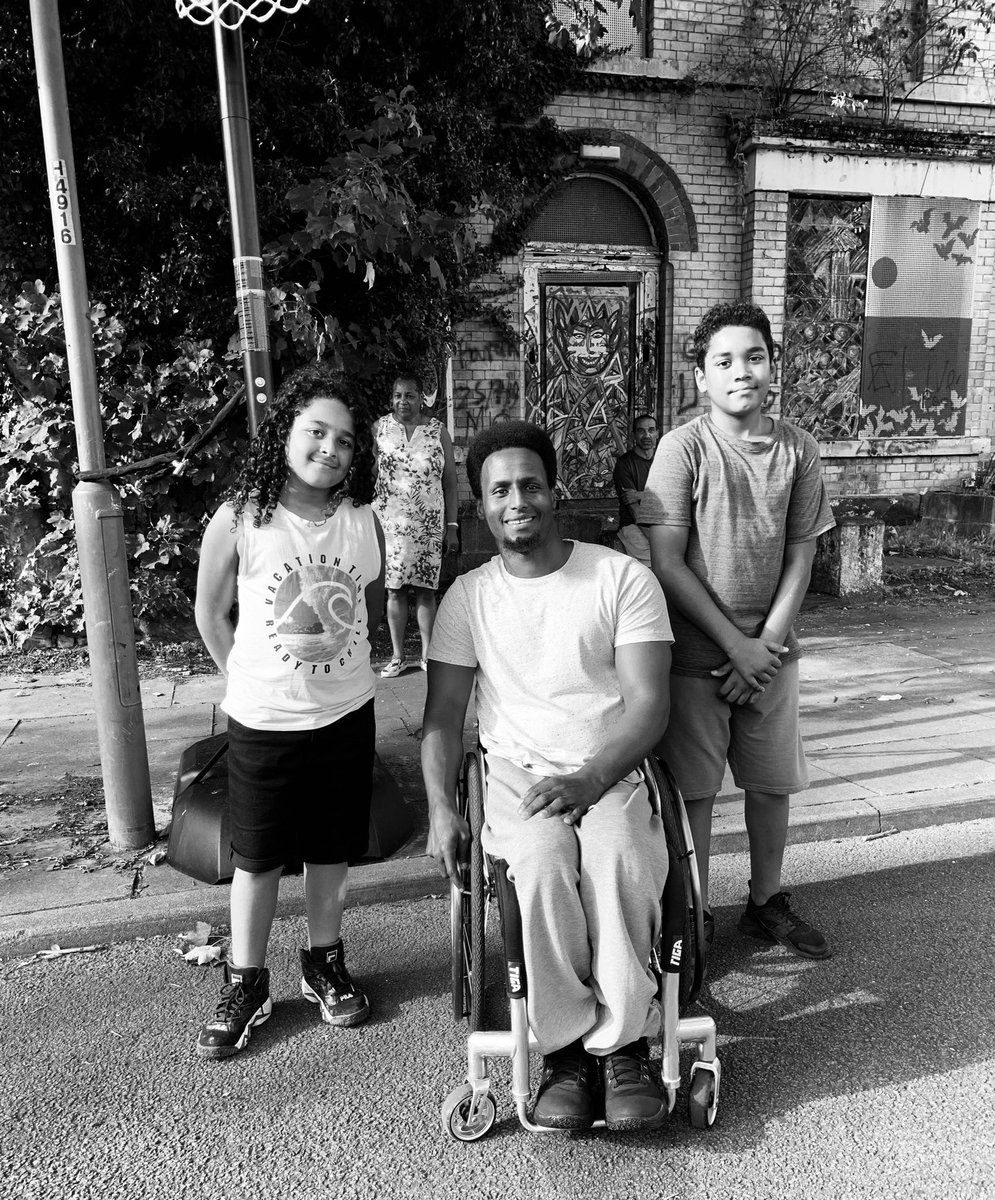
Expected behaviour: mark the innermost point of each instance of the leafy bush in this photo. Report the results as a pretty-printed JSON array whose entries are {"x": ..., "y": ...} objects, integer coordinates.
[
  {"x": 147, "y": 412},
  {"x": 381, "y": 133}
]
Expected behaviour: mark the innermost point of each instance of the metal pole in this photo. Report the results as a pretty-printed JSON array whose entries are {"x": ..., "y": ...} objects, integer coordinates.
[
  {"x": 110, "y": 632},
  {"x": 250, "y": 293}
]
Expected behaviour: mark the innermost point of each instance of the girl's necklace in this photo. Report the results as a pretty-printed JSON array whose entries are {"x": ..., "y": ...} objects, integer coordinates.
[{"x": 330, "y": 510}]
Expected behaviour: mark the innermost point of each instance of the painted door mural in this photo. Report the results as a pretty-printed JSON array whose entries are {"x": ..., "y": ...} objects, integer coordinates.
[{"x": 586, "y": 386}]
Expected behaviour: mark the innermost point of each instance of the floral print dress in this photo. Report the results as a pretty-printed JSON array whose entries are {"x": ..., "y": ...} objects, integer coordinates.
[{"x": 409, "y": 501}]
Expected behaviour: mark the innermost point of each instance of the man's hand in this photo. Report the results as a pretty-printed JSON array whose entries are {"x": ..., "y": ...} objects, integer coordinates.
[
  {"x": 569, "y": 796},
  {"x": 448, "y": 840},
  {"x": 757, "y": 660},
  {"x": 735, "y": 689}
]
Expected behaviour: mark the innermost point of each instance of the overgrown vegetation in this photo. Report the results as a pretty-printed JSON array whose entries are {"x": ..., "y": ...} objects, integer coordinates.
[
  {"x": 385, "y": 139},
  {"x": 845, "y": 59},
  {"x": 938, "y": 565}
]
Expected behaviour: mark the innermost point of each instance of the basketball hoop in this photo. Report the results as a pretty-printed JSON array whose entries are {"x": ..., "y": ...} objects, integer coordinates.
[{"x": 231, "y": 13}]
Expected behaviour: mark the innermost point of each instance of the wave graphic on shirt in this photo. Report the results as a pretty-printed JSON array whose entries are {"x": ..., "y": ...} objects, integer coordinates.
[{"x": 315, "y": 609}]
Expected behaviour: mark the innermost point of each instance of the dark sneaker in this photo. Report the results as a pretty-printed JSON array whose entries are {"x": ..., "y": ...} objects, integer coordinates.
[
  {"x": 775, "y": 922},
  {"x": 568, "y": 1096},
  {"x": 634, "y": 1095},
  {"x": 244, "y": 1003},
  {"x": 329, "y": 985}
]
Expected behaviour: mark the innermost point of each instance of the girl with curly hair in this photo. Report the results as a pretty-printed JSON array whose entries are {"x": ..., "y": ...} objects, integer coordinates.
[{"x": 300, "y": 549}]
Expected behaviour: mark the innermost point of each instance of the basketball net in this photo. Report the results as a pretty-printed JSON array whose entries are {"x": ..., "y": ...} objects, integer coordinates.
[{"x": 231, "y": 13}]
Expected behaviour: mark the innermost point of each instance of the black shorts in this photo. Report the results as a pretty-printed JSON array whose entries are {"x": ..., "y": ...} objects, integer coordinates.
[{"x": 301, "y": 795}]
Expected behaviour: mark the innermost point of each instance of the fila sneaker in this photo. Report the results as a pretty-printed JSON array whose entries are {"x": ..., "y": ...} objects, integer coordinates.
[
  {"x": 327, "y": 983},
  {"x": 244, "y": 1003}
]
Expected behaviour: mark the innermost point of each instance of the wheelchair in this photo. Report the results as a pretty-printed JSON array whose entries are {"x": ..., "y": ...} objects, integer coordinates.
[{"x": 678, "y": 961}]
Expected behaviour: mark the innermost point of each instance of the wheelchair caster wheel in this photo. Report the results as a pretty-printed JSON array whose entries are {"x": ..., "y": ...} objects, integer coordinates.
[
  {"x": 456, "y": 1115},
  {"x": 703, "y": 1098}
]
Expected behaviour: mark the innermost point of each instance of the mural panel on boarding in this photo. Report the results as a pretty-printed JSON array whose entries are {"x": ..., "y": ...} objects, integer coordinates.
[
  {"x": 917, "y": 322},
  {"x": 587, "y": 392}
]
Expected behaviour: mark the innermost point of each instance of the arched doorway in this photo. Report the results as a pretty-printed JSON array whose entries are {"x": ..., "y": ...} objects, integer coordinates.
[{"x": 591, "y": 279}]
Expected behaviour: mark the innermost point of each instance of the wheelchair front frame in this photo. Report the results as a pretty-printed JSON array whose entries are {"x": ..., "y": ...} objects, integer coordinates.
[{"x": 469, "y": 1112}]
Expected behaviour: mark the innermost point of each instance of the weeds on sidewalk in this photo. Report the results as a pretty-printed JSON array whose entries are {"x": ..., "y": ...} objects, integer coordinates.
[
  {"x": 74, "y": 818},
  {"x": 937, "y": 565}
]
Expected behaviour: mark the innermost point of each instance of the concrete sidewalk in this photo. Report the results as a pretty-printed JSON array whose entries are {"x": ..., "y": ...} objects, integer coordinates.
[{"x": 898, "y": 711}]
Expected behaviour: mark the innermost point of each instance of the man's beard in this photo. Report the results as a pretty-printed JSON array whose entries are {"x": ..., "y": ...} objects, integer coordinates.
[{"x": 522, "y": 544}]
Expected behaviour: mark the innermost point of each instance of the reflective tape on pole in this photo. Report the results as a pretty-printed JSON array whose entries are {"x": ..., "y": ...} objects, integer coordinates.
[{"x": 253, "y": 330}]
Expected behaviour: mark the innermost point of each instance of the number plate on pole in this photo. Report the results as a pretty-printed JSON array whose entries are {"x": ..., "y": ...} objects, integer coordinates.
[{"x": 62, "y": 206}]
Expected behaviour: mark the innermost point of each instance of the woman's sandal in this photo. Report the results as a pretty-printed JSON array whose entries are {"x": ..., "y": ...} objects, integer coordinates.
[{"x": 392, "y": 669}]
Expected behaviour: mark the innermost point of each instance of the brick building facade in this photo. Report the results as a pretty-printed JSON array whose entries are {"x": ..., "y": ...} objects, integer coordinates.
[{"x": 677, "y": 198}]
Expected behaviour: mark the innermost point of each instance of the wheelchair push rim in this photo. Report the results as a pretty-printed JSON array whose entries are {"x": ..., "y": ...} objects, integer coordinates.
[{"x": 468, "y": 902}]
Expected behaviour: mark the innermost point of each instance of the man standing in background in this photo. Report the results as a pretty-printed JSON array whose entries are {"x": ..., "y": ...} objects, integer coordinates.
[{"x": 629, "y": 477}]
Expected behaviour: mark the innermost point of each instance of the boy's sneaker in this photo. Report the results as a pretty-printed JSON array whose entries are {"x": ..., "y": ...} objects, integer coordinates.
[
  {"x": 244, "y": 1002},
  {"x": 776, "y": 922},
  {"x": 634, "y": 1095},
  {"x": 327, "y": 983}
]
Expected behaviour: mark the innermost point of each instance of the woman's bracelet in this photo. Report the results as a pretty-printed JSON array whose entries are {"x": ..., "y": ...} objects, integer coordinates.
[{"x": 452, "y": 524}]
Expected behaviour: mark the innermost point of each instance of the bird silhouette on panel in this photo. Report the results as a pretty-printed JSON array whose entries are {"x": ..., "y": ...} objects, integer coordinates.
[
  {"x": 950, "y": 225},
  {"x": 923, "y": 225},
  {"x": 944, "y": 249}
]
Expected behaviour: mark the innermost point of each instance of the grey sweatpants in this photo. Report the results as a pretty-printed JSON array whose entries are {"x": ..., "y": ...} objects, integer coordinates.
[{"x": 590, "y": 900}]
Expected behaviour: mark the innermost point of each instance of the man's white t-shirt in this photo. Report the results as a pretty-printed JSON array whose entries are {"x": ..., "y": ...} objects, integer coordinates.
[{"x": 544, "y": 651}]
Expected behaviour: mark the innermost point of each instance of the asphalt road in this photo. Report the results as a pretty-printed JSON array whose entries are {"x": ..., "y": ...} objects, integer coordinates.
[{"x": 870, "y": 1075}]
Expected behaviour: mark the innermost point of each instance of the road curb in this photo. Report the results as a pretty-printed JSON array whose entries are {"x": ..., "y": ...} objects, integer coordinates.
[{"x": 398, "y": 880}]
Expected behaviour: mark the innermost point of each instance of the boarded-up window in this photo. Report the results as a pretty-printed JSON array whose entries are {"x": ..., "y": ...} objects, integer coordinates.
[
  {"x": 877, "y": 330},
  {"x": 917, "y": 325},
  {"x": 824, "y": 312}
]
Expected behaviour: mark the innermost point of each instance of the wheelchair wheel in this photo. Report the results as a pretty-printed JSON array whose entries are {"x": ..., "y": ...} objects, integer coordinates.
[
  {"x": 456, "y": 1115},
  {"x": 468, "y": 900},
  {"x": 703, "y": 1098},
  {"x": 681, "y": 852}
]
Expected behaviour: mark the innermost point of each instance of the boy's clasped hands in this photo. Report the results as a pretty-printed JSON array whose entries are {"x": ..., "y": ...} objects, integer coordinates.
[{"x": 751, "y": 665}]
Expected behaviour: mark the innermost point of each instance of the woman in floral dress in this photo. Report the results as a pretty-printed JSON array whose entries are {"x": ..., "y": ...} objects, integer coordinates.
[{"x": 416, "y": 501}]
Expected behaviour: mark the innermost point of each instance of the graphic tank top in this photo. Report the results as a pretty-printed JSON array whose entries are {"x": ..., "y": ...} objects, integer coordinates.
[{"x": 301, "y": 657}]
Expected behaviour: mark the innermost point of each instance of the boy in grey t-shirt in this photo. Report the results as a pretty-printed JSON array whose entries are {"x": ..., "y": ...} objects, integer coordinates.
[{"x": 733, "y": 505}]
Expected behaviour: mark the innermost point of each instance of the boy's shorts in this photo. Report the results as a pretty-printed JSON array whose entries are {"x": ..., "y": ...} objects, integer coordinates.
[
  {"x": 301, "y": 795},
  {"x": 761, "y": 740}
]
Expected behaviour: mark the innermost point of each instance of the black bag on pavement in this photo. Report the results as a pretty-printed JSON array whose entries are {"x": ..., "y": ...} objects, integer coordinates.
[{"x": 200, "y": 833}]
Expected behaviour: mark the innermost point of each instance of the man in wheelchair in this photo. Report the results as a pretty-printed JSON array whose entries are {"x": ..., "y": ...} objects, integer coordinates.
[{"x": 569, "y": 647}]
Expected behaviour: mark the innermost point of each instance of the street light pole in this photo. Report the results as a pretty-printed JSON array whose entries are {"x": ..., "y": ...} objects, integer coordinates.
[
  {"x": 227, "y": 17},
  {"x": 97, "y": 511}
]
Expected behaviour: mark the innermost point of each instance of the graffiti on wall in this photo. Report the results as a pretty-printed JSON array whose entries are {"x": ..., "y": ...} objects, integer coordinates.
[
  {"x": 484, "y": 399},
  {"x": 483, "y": 402}
]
